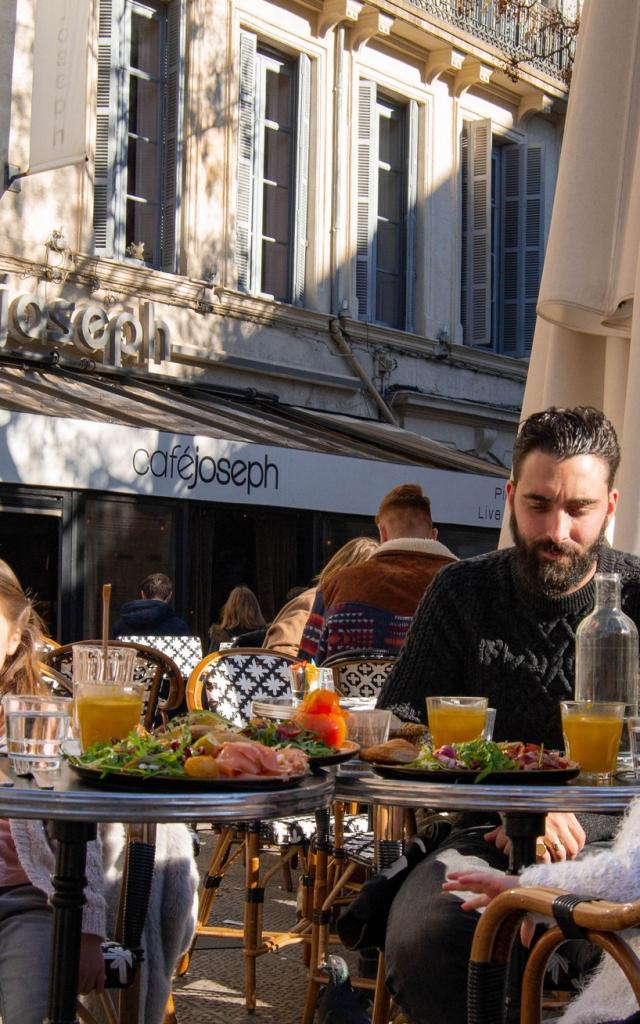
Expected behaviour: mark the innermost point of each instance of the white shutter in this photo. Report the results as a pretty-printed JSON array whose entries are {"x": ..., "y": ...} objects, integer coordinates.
[
  {"x": 302, "y": 178},
  {"x": 246, "y": 159},
  {"x": 106, "y": 104},
  {"x": 366, "y": 200},
  {"x": 172, "y": 148},
  {"x": 412, "y": 199},
  {"x": 533, "y": 241},
  {"x": 478, "y": 318},
  {"x": 511, "y": 250}
]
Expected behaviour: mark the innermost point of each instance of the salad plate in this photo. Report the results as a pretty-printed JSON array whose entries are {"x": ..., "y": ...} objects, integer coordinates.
[
  {"x": 348, "y": 750},
  {"x": 121, "y": 779},
  {"x": 510, "y": 777}
]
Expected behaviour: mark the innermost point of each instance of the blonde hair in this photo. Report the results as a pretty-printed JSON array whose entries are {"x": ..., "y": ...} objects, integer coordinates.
[
  {"x": 241, "y": 611},
  {"x": 352, "y": 553},
  {"x": 21, "y": 670}
]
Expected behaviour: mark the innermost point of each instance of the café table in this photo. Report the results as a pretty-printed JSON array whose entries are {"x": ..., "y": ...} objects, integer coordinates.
[
  {"x": 73, "y": 808},
  {"x": 524, "y": 809}
]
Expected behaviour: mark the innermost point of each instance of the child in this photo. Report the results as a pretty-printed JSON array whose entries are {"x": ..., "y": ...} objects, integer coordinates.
[
  {"x": 612, "y": 874},
  {"x": 27, "y": 863}
]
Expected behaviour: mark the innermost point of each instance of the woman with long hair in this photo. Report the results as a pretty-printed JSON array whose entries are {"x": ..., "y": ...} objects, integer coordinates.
[
  {"x": 240, "y": 615},
  {"x": 285, "y": 632},
  {"x": 27, "y": 862}
]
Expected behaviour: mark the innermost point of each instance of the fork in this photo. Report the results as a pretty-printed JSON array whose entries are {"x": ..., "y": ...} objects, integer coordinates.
[
  {"x": 5, "y": 780},
  {"x": 42, "y": 780}
]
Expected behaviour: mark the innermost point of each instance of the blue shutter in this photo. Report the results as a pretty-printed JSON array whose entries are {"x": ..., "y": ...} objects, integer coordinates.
[
  {"x": 106, "y": 106},
  {"x": 533, "y": 241},
  {"x": 366, "y": 203},
  {"x": 300, "y": 211},
  {"x": 172, "y": 148},
  {"x": 511, "y": 251},
  {"x": 478, "y": 262},
  {"x": 246, "y": 159},
  {"x": 412, "y": 199}
]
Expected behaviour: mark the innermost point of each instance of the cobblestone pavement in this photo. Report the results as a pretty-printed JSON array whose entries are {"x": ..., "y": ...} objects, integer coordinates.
[{"x": 213, "y": 990}]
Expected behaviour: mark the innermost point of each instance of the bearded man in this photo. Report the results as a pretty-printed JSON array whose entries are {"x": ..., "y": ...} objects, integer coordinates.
[{"x": 503, "y": 626}]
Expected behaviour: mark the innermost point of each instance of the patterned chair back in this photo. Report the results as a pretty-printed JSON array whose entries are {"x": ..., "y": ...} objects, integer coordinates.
[
  {"x": 230, "y": 680},
  {"x": 360, "y": 674},
  {"x": 164, "y": 685},
  {"x": 184, "y": 651}
]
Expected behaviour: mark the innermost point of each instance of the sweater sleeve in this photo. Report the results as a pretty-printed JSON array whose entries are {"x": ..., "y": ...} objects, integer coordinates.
[
  {"x": 431, "y": 661},
  {"x": 313, "y": 646},
  {"x": 610, "y": 874}
]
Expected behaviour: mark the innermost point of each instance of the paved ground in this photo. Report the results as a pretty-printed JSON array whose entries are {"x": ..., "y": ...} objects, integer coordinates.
[{"x": 212, "y": 991}]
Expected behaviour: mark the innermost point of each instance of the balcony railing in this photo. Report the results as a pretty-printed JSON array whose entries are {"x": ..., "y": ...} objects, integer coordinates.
[{"x": 525, "y": 31}]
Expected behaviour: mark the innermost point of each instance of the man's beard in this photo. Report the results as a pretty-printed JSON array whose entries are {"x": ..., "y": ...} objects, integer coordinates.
[{"x": 553, "y": 579}]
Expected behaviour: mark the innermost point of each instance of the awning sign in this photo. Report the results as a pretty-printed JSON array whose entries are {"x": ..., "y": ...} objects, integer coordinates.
[
  {"x": 52, "y": 451},
  {"x": 59, "y": 94}
]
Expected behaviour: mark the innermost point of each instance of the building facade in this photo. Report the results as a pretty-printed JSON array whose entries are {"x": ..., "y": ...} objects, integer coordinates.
[{"x": 311, "y": 230}]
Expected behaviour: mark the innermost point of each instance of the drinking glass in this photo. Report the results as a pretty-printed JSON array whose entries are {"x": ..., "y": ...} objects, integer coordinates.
[
  {"x": 106, "y": 711},
  {"x": 592, "y": 730},
  {"x": 456, "y": 719},
  {"x": 368, "y": 728},
  {"x": 89, "y": 662},
  {"x": 633, "y": 725},
  {"x": 36, "y": 727},
  {"x": 304, "y": 678}
]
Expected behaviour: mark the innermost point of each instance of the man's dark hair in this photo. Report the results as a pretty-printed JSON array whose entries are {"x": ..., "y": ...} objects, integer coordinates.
[
  {"x": 564, "y": 433},
  {"x": 156, "y": 587}
]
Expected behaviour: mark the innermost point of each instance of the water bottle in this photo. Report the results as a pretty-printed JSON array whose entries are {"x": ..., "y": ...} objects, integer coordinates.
[{"x": 607, "y": 650}]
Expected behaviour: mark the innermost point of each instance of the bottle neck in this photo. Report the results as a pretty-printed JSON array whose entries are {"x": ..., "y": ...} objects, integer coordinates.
[{"x": 608, "y": 590}]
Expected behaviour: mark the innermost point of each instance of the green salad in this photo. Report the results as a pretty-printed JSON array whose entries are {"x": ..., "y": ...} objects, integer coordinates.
[
  {"x": 286, "y": 734},
  {"x": 144, "y": 755},
  {"x": 483, "y": 756}
]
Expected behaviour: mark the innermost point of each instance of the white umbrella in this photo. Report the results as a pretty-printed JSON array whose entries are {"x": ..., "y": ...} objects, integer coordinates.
[{"x": 586, "y": 348}]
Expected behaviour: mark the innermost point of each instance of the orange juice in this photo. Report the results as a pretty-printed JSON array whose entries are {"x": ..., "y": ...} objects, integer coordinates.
[
  {"x": 452, "y": 724},
  {"x": 592, "y": 740},
  {"x": 104, "y": 712}
]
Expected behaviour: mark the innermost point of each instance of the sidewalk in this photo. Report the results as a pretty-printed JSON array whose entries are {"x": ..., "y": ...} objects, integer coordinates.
[{"x": 212, "y": 992}]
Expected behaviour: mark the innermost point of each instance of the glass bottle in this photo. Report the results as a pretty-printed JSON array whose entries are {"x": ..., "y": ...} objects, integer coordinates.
[{"x": 607, "y": 649}]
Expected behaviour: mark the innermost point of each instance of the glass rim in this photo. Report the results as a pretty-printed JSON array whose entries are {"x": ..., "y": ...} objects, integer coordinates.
[
  {"x": 593, "y": 703},
  {"x": 63, "y": 703},
  {"x": 460, "y": 701}
]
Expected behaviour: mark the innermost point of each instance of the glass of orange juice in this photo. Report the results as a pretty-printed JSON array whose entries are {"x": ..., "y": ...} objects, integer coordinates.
[
  {"x": 592, "y": 731},
  {"x": 106, "y": 711},
  {"x": 455, "y": 719}
]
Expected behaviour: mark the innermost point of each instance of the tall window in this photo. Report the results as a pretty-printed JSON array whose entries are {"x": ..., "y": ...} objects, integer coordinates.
[
  {"x": 386, "y": 197},
  {"x": 273, "y": 159},
  {"x": 502, "y": 240},
  {"x": 137, "y": 159}
]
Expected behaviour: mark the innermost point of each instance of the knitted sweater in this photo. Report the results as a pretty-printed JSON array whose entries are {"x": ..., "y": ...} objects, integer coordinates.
[
  {"x": 370, "y": 606},
  {"x": 480, "y": 630},
  {"x": 611, "y": 875}
]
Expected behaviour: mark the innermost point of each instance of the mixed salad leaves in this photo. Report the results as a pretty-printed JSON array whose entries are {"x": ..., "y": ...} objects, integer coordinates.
[
  {"x": 276, "y": 734},
  {"x": 486, "y": 756}
]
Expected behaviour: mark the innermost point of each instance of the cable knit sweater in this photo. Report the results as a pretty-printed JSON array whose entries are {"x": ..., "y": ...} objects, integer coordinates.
[
  {"x": 480, "y": 630},
  {"x": 612, "y": 875}
]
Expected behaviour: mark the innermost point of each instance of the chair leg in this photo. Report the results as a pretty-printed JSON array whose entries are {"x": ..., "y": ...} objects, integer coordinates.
[
  {"x": 254, "y": 896},
  {"x": 381, "y": 996},
  {"x": 170, "y": 1016}
]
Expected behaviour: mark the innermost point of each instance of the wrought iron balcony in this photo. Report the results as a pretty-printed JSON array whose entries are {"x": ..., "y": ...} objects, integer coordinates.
[{"x": 526, "y": 31}]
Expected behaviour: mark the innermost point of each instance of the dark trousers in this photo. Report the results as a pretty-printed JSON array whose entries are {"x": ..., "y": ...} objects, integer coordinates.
[{"x": 429, "y": 936}]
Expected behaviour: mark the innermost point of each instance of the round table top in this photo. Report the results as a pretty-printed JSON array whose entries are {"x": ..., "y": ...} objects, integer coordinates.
[
  {"x": 72, "y": 799},
  {"x": 576, "y": 796}
]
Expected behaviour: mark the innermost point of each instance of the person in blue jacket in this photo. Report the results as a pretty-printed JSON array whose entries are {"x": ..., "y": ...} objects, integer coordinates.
[{"x": 152, "y": 614}]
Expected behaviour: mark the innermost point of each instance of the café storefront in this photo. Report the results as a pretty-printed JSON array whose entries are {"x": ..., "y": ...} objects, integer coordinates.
[{"x": 85, "y": 500}]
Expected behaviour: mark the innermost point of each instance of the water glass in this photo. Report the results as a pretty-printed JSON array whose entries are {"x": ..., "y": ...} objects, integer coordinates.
[
  {"x": 368, "y": 728},
  {"x": 592, "y": 731},
  {"x": 304, "y": 678},
  {"x": 36, "y": 728},
  {"x": 456, "y": 719},
  {"x": 489, "y": 724}
]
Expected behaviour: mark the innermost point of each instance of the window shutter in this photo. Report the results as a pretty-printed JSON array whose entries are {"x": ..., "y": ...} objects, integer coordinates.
[
  {"x": 172, "y": 149},
  {"x": 366, "y": 204},
  {"x": 302, "y": 178},
  {"x": 533, "y": 241},
  {"x": 464, "y": 244},
  {"x": 412, "y": 199},
  {"x": 106, "y": 101},
  {"x": 479, "y": 233},
  {"x": 511, "y": 251},
  {"x": 246, "y": 158}
]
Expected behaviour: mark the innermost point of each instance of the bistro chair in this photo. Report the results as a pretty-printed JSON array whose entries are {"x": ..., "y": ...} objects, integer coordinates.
[
  {"x": 360, "y": 674},
  {"x": 596, "y": 920},
  {"x": 164, "y": 685},
  {"x": 184, "y": 651},
  {"x": 229, "y": 681}
]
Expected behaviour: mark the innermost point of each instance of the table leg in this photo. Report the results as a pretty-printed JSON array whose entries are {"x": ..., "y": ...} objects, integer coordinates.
[
  {"x": 522, "y": 830},
  {"x": 67, "y": 901}
]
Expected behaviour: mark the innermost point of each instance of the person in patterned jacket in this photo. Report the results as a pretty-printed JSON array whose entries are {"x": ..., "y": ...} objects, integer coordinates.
[{"x": 370, "y": 606}]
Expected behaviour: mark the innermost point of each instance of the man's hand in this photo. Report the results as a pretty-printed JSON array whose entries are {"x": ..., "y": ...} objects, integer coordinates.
[
  {"x": 91, "y": 974},
  {"x": 563, "y": 837}
]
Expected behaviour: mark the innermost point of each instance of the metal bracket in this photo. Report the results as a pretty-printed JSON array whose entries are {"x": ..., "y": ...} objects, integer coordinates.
[{"x": 12, "y": 174}]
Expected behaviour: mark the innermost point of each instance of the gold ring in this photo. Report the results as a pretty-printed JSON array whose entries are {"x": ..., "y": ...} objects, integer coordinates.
[
  {"x": 556, "y": 845},
  {"x": 540, "y": 849}
]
